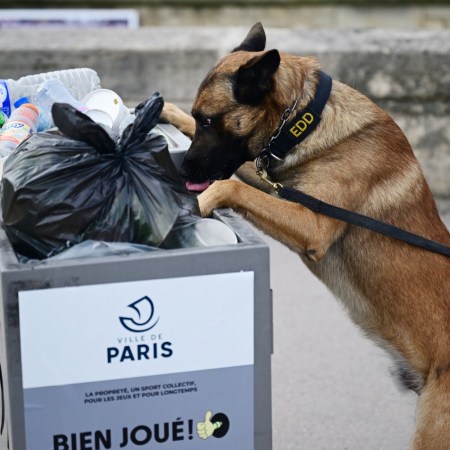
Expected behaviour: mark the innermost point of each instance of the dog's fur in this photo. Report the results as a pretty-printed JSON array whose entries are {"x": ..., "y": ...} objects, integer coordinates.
[{"x": 357, "y": 159}]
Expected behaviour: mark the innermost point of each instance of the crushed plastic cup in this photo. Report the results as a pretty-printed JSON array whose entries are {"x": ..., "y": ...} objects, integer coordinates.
[{"x": 109, "y": 102}]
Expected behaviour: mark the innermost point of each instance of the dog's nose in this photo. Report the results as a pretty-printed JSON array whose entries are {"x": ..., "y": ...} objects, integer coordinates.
[
  {"x": 186, "y": 165},
  {"x": 193, "y": 169}
]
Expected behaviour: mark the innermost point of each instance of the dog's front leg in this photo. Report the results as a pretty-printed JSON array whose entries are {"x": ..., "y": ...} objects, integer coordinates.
[
  {"x": 300, "y": 229},
  {"x": 178, "y": 118},
  {"x": 247, "y": 174}
]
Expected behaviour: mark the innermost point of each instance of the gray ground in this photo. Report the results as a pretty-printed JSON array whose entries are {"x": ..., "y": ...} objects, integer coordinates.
[{"x": 331, "y": 386}]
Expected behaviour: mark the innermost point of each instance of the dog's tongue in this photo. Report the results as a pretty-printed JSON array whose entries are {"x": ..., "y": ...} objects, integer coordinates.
[{"x": 197, "y": 187}]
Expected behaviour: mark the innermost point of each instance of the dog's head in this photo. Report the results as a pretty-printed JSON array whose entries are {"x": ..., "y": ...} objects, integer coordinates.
[{"x": 232, "y": 111}]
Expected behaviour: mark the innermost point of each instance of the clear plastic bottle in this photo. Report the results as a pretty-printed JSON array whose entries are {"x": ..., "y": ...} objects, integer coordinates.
[
  {"x": 54, "y": 91},
  {"x": 3, "y": 118},
  {"x": 22, "y": 123},
  {"x": 79, "y": 83},
  {"x": 125, "y": 122}
]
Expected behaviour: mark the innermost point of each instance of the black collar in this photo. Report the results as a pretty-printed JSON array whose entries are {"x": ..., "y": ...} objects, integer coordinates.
[{"x": 302, "y": 125}]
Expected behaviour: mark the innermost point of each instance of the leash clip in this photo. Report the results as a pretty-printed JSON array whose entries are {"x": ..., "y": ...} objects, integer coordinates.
[{"x": 261, "y": 170}]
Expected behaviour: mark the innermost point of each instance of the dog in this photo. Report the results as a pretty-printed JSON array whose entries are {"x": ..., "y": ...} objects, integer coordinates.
[{"x": 356, "y": 158}]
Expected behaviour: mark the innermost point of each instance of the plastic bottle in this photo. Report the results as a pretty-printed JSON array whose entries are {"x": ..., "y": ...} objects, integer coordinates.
[
  {"x": 79, "y": 83},
  {"x": 19, "y": 126},
  {"x": 45, "y": 121},
  {"x": 52, "y": 91},
  {"x": 3, "y": 118},
  {"x": 125, "y": 122}
]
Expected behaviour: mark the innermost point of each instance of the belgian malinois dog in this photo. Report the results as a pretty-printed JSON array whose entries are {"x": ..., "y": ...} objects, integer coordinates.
[{"x": 357, "y": 158}]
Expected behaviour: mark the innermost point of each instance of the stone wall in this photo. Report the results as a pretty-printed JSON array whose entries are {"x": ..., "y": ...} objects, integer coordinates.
[
  {"x": 406, "y": 72},
  {"x": 275, "y": 13},
  {"x": 303, "y": 14}
]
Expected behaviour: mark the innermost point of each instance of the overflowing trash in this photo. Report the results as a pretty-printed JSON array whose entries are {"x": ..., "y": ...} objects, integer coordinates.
[
  {"x": 79, "y": 82},
  {"x": 79, "y": 167}
]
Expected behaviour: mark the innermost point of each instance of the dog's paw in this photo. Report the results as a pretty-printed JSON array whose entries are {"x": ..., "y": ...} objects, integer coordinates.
[
  {"x": 174, "y": 115},
  {"x": 220, "y": 194}
]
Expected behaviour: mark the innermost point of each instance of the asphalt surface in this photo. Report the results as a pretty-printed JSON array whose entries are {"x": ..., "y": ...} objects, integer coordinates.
[{"x": 331, "y": 387}]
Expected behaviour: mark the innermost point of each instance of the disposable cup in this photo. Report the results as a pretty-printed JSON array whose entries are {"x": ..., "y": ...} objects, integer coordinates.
[
  {"x": 211, "y": 232},
  {"x": 109, "y": 102}
]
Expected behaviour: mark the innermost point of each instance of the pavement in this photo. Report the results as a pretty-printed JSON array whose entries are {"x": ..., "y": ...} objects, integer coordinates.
[{"x": 331, "y": 387}]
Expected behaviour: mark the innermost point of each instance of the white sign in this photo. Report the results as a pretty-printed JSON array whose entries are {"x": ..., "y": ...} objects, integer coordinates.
[
  {"x": 130, "y": 329},
  {"x": 34, "y": 18}
]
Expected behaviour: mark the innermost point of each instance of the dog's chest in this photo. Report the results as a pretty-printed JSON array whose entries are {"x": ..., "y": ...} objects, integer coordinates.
[
  {"x": 337, "y": 276},
  {"x": 335, "y": 273}
]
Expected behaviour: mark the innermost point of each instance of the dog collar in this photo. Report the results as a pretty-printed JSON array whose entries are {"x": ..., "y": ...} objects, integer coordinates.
[{"x": 291, "y": 133}]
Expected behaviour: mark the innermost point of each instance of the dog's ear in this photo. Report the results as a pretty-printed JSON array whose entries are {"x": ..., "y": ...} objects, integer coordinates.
[
  {"x": 255, "y": 78},
  {"x": 255, "y": 41}
]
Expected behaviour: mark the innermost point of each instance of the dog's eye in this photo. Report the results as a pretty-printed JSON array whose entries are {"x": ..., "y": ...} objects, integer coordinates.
[{"x": 205, "y": 122}]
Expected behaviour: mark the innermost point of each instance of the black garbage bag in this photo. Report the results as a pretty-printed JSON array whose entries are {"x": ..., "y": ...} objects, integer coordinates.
[{"x": 61, "y": 189}]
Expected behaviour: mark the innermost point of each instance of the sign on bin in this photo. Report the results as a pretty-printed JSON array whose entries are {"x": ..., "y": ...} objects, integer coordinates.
[{"x": 141, "y": 364}]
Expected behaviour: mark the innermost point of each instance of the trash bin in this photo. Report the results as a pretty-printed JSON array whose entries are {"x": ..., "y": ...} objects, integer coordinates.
[{"x": 163, "y": 350}]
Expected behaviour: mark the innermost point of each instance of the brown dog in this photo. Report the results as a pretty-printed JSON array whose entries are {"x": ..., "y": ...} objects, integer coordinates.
[{"x": 358, "y": 159}]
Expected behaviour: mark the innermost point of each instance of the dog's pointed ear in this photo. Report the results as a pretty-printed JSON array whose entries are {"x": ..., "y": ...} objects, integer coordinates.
[
  {"x": 255, "y": 78},
  {"x": 255, "y": 41}
]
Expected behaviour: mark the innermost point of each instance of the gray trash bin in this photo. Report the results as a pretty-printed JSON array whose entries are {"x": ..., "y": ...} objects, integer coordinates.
[{"x": 162, "y": 350}]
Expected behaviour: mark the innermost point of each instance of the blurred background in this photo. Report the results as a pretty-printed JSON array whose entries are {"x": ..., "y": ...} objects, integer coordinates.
[
  {"x": 331, "y": 387},
  {"x": 276, "y": 13}
]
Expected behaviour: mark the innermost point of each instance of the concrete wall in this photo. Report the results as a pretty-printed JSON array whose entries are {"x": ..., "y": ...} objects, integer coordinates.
[
  {"x": 299, "y": 14},
  {"x": 406, "y": 72},
  {"x": 275, "y": 13}
]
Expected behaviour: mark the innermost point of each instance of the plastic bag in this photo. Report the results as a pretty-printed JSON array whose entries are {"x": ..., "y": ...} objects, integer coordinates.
[
  {"x": 99, "y": 249},
  {"x": 59, "y": 190}
]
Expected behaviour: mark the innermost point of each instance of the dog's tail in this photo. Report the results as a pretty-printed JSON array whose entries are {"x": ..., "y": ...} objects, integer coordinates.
[{"x": 433, "y": 413}]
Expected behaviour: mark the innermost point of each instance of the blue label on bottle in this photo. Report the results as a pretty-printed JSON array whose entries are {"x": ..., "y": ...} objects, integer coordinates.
[{"x": 5, "y": 100}]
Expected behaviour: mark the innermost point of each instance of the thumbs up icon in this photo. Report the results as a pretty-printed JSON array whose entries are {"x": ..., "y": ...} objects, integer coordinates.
[{"x": 216, "y": 425}]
